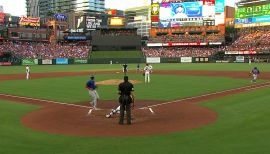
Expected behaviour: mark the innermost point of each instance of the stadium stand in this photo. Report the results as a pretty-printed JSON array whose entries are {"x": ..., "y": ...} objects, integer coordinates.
[{"x": 25, "y": 50}]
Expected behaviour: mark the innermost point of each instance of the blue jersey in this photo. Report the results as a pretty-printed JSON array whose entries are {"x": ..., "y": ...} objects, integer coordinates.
[
  {"x": 91, "y": 84},
  {"x": 255, "y": 71}
]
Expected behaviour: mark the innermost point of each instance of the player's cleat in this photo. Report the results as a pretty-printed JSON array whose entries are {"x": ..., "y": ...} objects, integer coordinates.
[{"x": 108, "y": 115}]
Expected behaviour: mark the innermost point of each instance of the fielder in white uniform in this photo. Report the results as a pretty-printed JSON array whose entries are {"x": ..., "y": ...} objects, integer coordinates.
[
  {"x": 147, "y": 71},
  {"x": 27, "y": 71}
]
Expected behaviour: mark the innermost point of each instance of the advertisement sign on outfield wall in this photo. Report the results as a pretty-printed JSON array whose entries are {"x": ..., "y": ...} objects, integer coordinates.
[
  {"x": 5, "y": 64},
  {"x": 47, "y": 62},
  {"x": 240, "y": 59},
  {"x": 186, "y": 59},
  {"x": 30, "y": 62},
  {"x": 80, "y": 61},
  {"x": 153, "y": 60},
  {"x": 61, "y": 61}
]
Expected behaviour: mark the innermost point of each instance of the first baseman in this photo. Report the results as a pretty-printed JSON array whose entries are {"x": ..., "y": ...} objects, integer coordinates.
[{"x": 91, "y": 86}]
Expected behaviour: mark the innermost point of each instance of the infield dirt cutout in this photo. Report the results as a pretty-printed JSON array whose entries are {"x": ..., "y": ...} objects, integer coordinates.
[{"x": 175, "y": 116}]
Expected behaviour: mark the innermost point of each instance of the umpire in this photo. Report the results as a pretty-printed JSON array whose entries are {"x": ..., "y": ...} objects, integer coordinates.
[{"x": 126, "y": 99}]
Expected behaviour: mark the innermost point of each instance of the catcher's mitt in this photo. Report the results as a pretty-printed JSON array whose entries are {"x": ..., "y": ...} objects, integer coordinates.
[{"x": 143, "y": 74}]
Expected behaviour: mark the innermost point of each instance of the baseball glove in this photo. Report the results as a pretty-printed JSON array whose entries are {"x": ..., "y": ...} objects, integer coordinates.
[{"x": 143, "y": 74}]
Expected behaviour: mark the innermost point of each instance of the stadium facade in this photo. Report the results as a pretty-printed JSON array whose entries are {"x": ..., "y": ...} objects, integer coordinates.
[
  {"x": 45, "y": 8},
  {"x": 32, "y": 8},
  {"x": 1, "y": 8},
  {"x": 139, "y": 17}
]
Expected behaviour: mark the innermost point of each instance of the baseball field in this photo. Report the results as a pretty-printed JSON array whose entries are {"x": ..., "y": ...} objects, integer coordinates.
[{"x": 186, "y": 108}]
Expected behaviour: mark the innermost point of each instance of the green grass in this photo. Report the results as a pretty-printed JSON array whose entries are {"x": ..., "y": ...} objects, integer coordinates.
[
  {"x": 242, "y": 127},
  {"x": 94, "y": 67},
  {"x": 162, "y": 87},
  {"x": 116, "y": 54}
]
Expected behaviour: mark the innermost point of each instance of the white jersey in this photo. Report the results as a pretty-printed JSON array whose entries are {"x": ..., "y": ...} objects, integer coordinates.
[
  {"x": 27, "y": 69},
  {"x": 148, "y": 69}
]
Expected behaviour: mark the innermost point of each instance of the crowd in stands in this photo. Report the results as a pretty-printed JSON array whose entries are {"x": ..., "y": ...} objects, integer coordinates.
[
  {"x": 187, "y": 38},
  {"x": 249, "y": 39},
  {"x": 255, "y": 39},
  {"x": 34, "y": 50},
  {"x": 172, "y": 52}
]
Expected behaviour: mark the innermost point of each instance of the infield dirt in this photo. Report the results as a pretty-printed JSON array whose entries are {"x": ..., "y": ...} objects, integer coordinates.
[{"x": 176, "y": 116}]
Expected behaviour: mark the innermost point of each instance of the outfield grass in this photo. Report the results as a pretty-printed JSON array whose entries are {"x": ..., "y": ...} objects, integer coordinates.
[
  {"x": 95, "y": 67},
  {"x": 116, "y": 54},
  {"x": 242, "y": 127},
  {"x": 162, "y": 87}
]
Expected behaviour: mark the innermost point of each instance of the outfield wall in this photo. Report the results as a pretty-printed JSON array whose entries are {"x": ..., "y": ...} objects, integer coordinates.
[{"x": 66, "y": 61}]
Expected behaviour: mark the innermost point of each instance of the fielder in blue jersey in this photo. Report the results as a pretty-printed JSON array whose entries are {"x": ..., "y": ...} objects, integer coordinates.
[
  {"x": 91, "y": 86},
  {"x": 255, "y": 72}
]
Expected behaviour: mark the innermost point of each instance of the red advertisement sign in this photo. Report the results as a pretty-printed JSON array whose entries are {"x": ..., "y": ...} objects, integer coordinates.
[
  {"x": 2, "y": 17},
  {"x": 185, "y": 44},
  {"x": 5, "y": 63},
  {"x": 209, "y": 2},
  {"x": 155, "y": 18},
  {"x": 29, "y": 21},
  {"x": 247, "y": 52}
]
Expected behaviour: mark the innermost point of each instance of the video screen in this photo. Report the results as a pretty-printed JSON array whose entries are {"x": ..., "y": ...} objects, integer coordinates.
[
  {"x": 253, "y": 14},
  {"x": 172, "y": 13},
  {"x": 186, "y": 14}
]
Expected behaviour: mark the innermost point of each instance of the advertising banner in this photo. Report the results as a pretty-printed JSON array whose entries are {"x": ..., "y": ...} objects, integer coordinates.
[
  {"x": 80, "y": 61},
  {"x": 247, "y": 52},
  {"x": 5, "y": 64},
  {"x": 60, "y": 16},
  {"x": 116, "y": 21},
  {"x": 220, "y": 6},
  {"x": 75, "y": 38},
  {"x": 153, "y": 60},
  {"x": 178, "y": 44},
  {"x": 2, "y": 17},
  {"x": 61, "y": 61},
  {"x": 47, "y": 62},
  {"x": 185, "y": 44},
  {"x": 30, "y": 62},
  {"x": 25, "y": 21},
  {"x": 240, "y": 59},
  {"x": 186, "y": 59},
  {"x": 155, "y": 9},
  {"x": 92, "y": 23}
]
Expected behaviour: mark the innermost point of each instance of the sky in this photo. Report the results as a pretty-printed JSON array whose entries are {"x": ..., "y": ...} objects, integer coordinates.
[{"x": 20, "y": 8}]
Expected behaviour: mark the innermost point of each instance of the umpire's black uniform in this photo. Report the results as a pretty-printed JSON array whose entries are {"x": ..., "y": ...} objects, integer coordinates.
[{"x": 126, "y": 98}]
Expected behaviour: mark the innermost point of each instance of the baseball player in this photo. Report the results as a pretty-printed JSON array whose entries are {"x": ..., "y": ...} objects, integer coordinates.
[
  {"x": 114, "y": 111},
  {"x": 138, "y": 68},
  {"x": 147, "y": 71},
  {"x": 255, "y": 72},
  {"x": 91, "y": 86},
  {"x": 125, "y": 68},
  {"x": 27, "y": 71}
]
